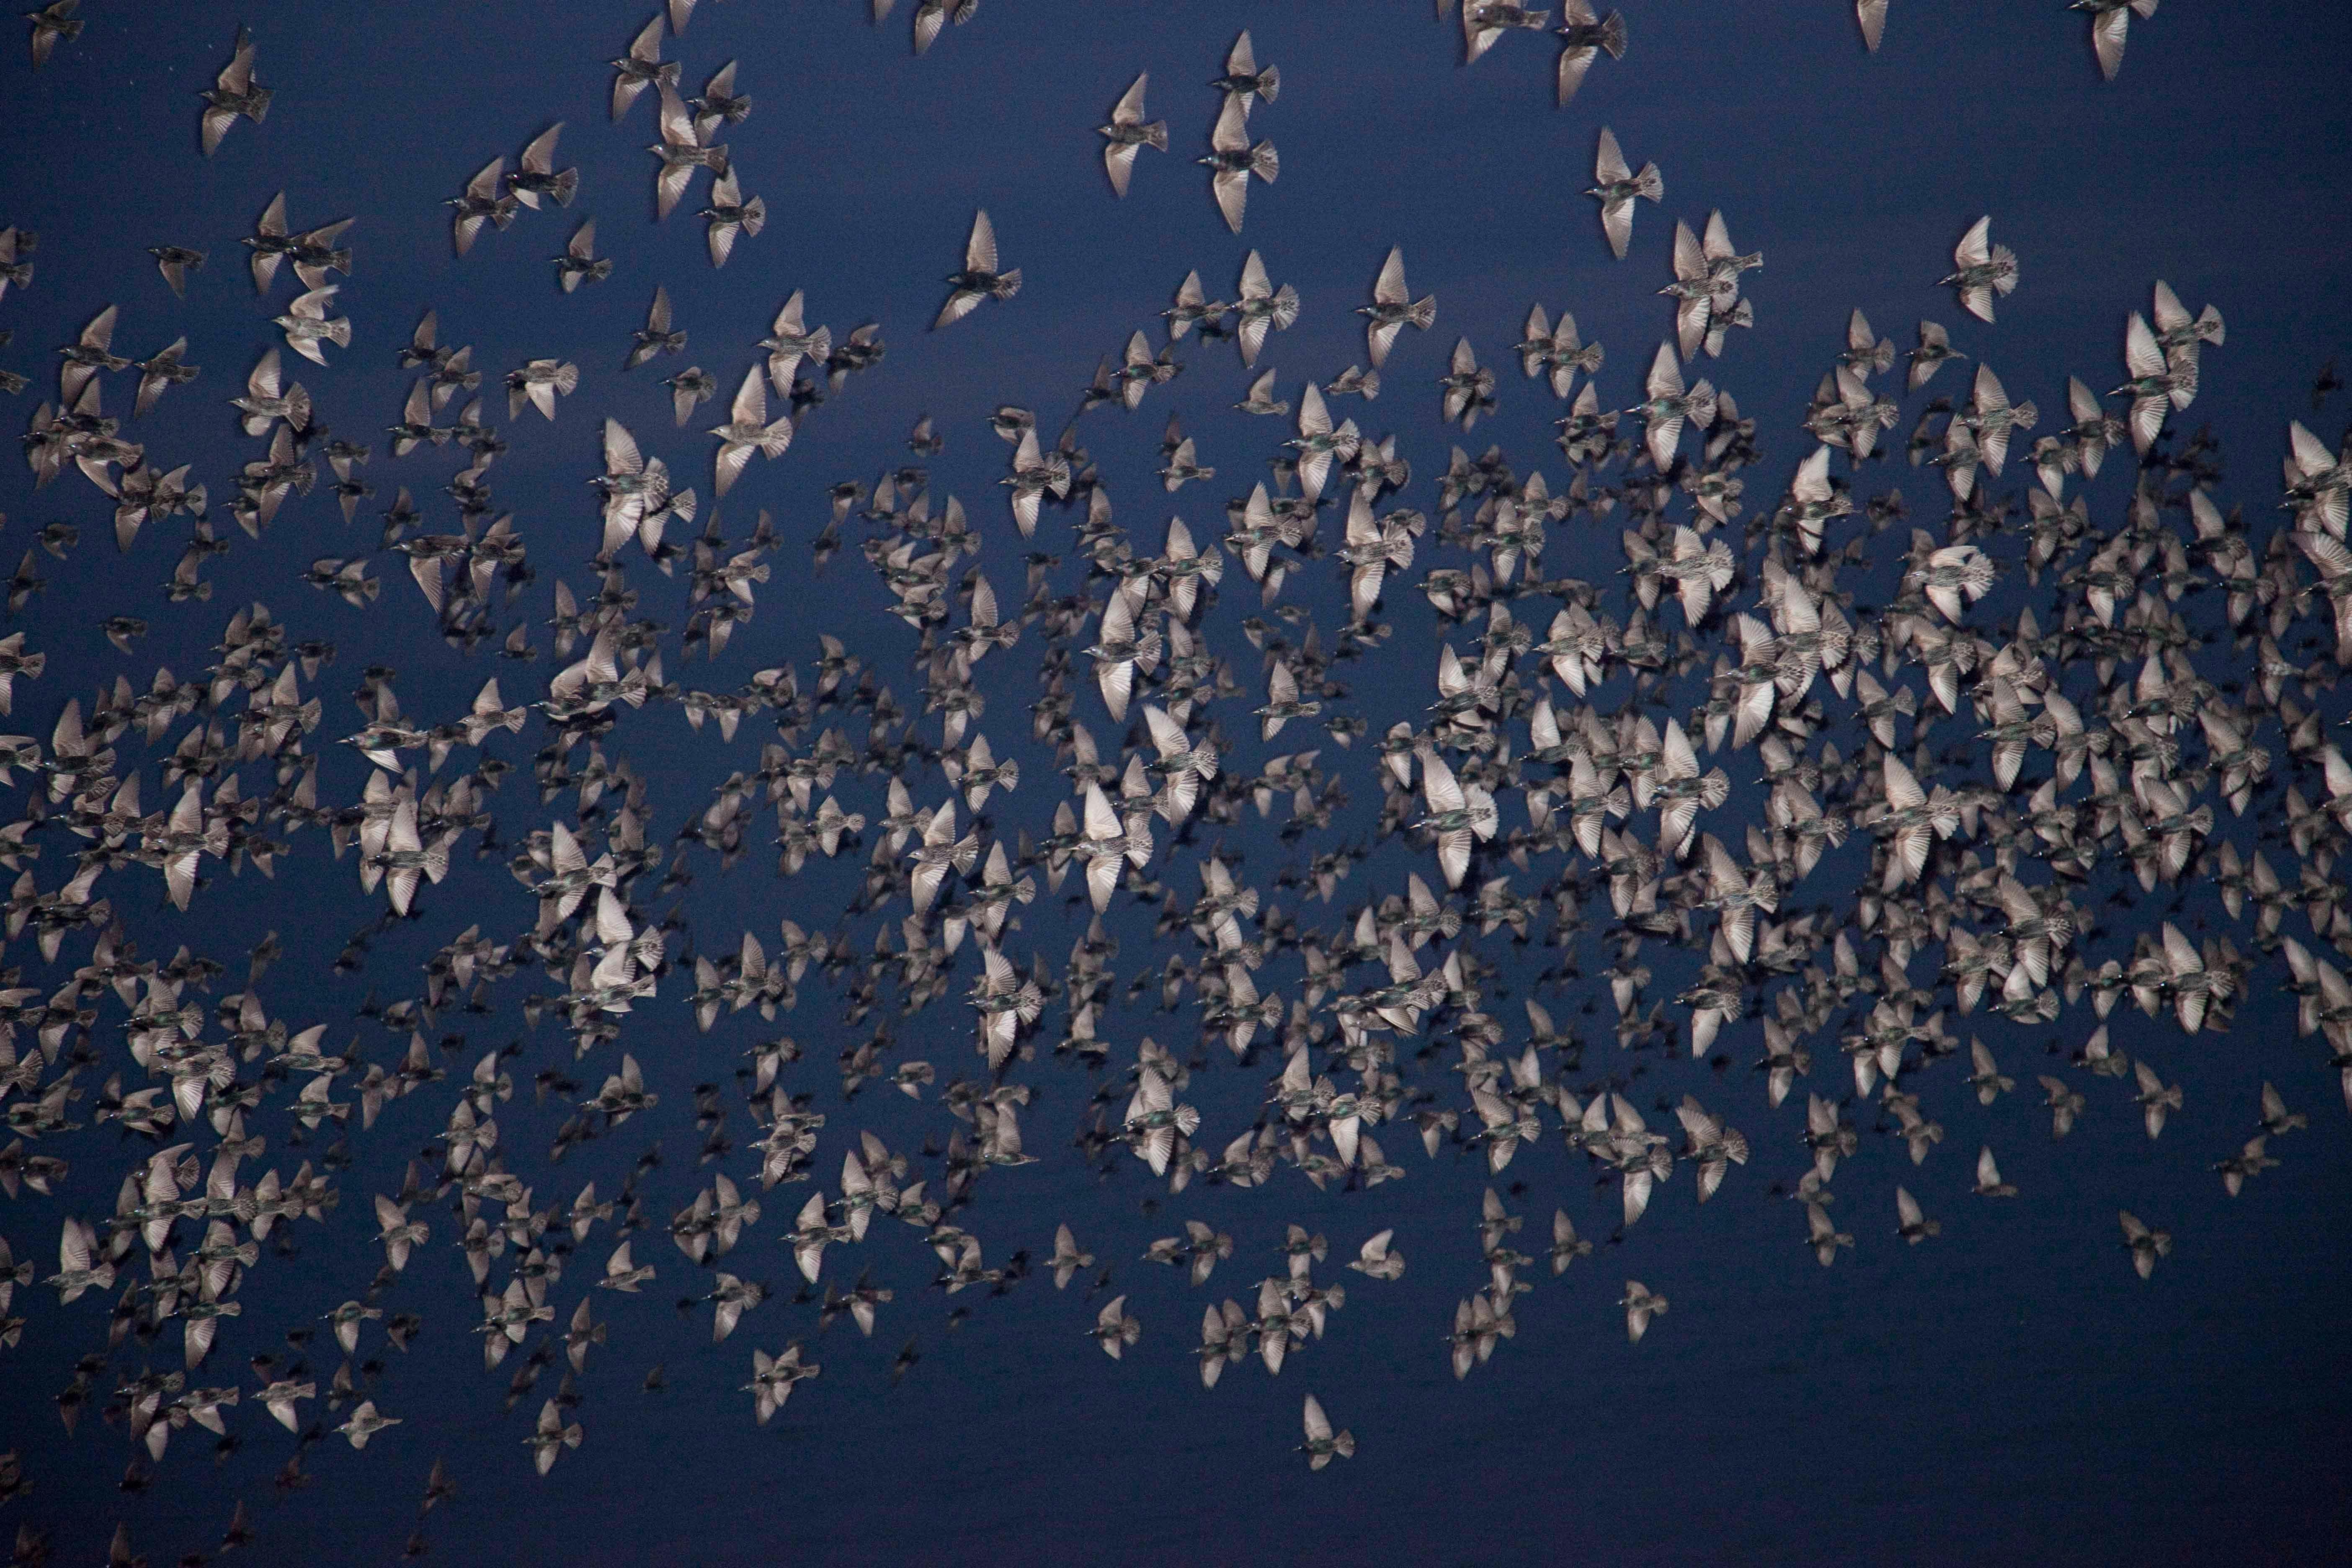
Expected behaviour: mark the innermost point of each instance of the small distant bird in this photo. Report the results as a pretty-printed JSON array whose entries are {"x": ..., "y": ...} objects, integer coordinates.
[
  {"x": 1615, "y": 184},
  {"x": 1128, "y": 130},
  {"x": 2324, "y": 385},
  {"x": 16, "y": 243},
  {"x": 978, "y": 278},
  {"x": 233, "y": 93},
  {"x": 1984, "y": 271}
]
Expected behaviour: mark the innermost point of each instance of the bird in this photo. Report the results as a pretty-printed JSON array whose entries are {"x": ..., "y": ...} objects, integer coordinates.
[
  {"x": 1244, "y": 78},
  {"x": 1584, "y": 37},
  {"x": 1616, "y": 186},
  {"x": 1322, "y": 1444},
  {"x": 2110, "y": 29},
  {"x": 978, "y": 278},
  {"x": 52, "y": 25},
  {"x": 580, "y": 263},
  {"x": 1393, "y": 308},
  {"x": 175, "y": 262},
  {"x": 234, "y": 95},
  {"x": 1808, "y": 767},
  {"x": 536, "y": 175},
  {"x": 1127, "y": 133},
  {"x": 731, "y": 216},
  {"x": 1232, "y": 159},
  {"x": 483, "y": 202},
  {"x": 1641, "y": 1305},
  {"x": 1378, "y": 1259},
  {"x": 2145, "y": 1244},
  {"x": 656, "y": 336},
  {"x": 641, "y": 67},
  {"x": 1981, "y": 270}
]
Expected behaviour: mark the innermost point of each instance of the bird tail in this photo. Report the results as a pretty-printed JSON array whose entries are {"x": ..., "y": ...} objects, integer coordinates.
[
  {"x": 1264, "y": 163},
  {"x": 1269, "y": 84},
  {"x": 339, "y": 333},
  {"x": 1371, "y": 383},
  {"x": 259, "y": 107},
  {"x": 1612, "y": 35},
  {"x": 567, "y": 379},
  {"x": 1424, "y": 312},
  {"x": 2210, "y": 326},
  {"x": 566, "y": 186},
  {"x": 1007, "y": 285},
  {"x": 1650, "y": 182},
  {"x": 298, "y": 407},
  {"x": 1155, "y": 136}
]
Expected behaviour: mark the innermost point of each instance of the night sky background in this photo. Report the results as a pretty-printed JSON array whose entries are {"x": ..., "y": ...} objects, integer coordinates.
[{"x": 2010, "y": 1391}]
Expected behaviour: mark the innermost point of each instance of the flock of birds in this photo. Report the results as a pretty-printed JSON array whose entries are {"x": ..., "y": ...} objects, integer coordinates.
[{"x": 2016, "y": 737}]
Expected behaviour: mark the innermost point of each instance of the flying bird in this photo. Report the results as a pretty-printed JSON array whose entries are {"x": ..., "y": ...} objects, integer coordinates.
[
  {"x": 1232, "y": 159},
  {"x": 233, "y": 95},
  {"x": 1615, "y": 185},
  {"x": 1129, "y": 132},
  {"x": 978, "y": 278}
]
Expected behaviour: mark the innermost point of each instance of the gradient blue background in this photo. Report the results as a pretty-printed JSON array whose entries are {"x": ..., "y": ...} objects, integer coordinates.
[{"x": 2011, "y": 1393}]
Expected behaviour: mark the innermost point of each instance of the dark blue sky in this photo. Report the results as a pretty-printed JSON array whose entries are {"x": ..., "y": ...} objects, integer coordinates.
[{"x": 2009, "y": 1392}]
